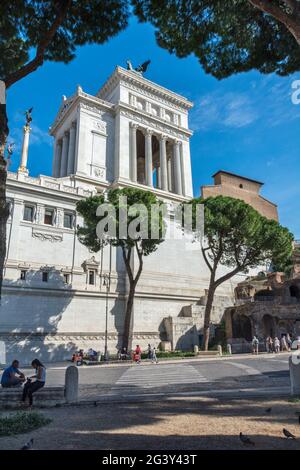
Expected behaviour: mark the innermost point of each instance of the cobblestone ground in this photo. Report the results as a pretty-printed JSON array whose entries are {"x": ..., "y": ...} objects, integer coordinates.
[{"x": 188, "y": 424}]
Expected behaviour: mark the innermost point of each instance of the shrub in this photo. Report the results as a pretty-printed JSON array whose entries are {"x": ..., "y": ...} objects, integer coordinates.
[{"x": 21, "y": 422}]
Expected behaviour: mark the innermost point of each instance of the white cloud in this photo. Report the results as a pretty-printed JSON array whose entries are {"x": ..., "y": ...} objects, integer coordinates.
[{"x": 267, "y": 101}]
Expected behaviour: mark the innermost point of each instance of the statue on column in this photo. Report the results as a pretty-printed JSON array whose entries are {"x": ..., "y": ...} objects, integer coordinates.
[
  {"x": 28, "y": 117},
  {"x": 24, "y": 156}
]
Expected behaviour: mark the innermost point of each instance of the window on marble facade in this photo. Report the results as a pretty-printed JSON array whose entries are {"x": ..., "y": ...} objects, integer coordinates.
[
  {"x": 28, "y": 214},
  {"x": 67, "y": 278},
  {"x": 45, "y": 276},
  {"x": 49, "y": 216},
  {"x": 92, "y": 277},
  {"x": 23, "y": 275},
  {"x": 68, "y": 220}
]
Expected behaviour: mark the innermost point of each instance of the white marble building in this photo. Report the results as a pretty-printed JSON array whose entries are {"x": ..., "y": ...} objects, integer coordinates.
[{"x": 132, "y": 133}]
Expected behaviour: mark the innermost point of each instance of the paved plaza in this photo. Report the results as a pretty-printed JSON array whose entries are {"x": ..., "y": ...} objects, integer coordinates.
[{"x": 217, "y": 376}]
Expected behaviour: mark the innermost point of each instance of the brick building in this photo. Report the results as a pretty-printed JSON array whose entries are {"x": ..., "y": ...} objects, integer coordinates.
[{"x": 240, "y": 187}]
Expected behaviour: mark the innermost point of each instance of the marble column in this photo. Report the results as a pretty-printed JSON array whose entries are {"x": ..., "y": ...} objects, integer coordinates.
[
  {"x": 64, "y": 155},
  {"x": 169, "y": 166},
  {"x": 177, "y": 168},
  {"x": 57, "y": 159},
  {"x": 71, "y": 151},
  {"x": 24, "y": 157},
  {"x": 133, "y": 154},
  {"x": 148, "y": 156},
  {"x": 158, "y": 177},
  {"x": 163, "y": 163}
]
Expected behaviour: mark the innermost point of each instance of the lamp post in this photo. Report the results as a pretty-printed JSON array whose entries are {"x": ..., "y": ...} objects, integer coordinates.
[{"x": 106, "y": 283}]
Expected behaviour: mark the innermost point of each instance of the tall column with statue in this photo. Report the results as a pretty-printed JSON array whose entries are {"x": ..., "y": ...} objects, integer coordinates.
[{"x": 24, "y": 157}]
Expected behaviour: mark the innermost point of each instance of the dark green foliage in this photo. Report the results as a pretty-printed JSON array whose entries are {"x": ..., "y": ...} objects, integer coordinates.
[
  {"x": 227, "y": 36},
  {"x": 88, "y": 207},
  {"x": 21, "y": 422},
  {"x": 23, "y": 24}
]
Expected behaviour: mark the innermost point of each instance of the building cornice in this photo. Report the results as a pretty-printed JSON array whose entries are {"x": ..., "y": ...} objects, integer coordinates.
[
  {"x": 133, "y": 79},
  {"x": 90, "y": 102},
  {"x": 47, "y": 187},
  {"x": 157, "y": 123}
]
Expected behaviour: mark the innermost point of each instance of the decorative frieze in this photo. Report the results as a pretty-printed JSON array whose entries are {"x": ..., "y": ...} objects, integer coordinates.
[{"x": 164, "y": 129}]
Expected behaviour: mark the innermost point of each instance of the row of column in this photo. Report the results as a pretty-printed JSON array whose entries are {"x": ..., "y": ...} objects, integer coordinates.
[
  {"x": 164, "y": 171},
  {"x": 64, "y": 158}
]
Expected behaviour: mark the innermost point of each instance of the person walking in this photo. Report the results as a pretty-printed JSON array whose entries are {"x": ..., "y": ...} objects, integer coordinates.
[
  {"x": 149, "y": 355},
  {"x": 40, "y": 380},
  {"x": 289, "y": 341},
  {"x": 137, "y": 354},
  {"x": 276, "y": 345},
  {"x": 255, "y": 344},
  {"x": 153, "y": 356},
  {"x": 284, "y": 346}
]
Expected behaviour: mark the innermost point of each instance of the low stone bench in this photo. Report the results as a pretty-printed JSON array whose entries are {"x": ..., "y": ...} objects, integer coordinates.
[
  {"x": 208, "y": 353},
  {"x": 45, "y": 397}
]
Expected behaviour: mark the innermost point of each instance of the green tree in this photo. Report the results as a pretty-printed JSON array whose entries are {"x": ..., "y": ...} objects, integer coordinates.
[
  {"x": 134, "y": 212},
  {"x": 34, "y": 31},
  {"x": 238, "y": 237},
  {"x": 228, "y": 36}
]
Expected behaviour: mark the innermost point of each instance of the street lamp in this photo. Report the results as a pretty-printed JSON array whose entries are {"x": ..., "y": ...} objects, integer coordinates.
[{"x": 106, "y": 283}]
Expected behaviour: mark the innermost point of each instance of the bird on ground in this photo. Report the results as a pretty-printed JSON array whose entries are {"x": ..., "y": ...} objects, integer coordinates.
[
  {"x": 246, "y": 440},
  {"x": 28, "y": 445},
  {"x": 268, "y": 410},
  {"x": 288, "y": 434}
]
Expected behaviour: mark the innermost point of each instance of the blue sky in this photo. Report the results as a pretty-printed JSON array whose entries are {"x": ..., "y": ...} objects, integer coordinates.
[{"x": 245, "y": 124}]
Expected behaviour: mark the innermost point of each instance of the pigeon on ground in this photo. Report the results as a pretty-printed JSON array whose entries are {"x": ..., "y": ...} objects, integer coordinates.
[
  {"x": 268, "y": 410},
  {"x": 288, "y": 434},
  {"x": 246, "y": 440},
  {"x": 28, "y": 445}
]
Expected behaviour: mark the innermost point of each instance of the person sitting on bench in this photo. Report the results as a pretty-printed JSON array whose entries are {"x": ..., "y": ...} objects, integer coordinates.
[
  {"x": 40, "y": 379},
  {"x": 9, "y": 376}
]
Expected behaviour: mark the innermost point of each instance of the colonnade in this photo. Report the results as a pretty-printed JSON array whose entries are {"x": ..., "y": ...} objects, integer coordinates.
[
  {"x": 169, "y": 167},
  {"x": 64, "y": 158}
]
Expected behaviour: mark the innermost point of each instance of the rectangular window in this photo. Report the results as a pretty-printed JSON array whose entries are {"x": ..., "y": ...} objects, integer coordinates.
[
  {"x": 49, "y": 216},
  {"x": 92, "y": 278},
  {"x": 23, "y": 275},
  {"x": 28, "y": 213},
  {"x": 68, "y": 220},
  {"x": 45, "y": 276},
  {"x": 67, "y": 278}
]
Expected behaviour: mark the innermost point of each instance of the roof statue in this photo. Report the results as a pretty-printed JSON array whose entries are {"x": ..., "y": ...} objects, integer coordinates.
[
  {"x": 28, "y": 116},
  {"x": 140, "y": 68}
]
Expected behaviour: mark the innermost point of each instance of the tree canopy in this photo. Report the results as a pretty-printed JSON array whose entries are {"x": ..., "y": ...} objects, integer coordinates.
[
  {"x": 32, "y": 31},
  {"x": 237, "y": 237},
  {"x": 228, "y": 36}
]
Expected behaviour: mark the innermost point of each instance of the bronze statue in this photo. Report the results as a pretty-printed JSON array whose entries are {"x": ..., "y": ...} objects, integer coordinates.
[
  {"x": 28, "y": 116},
  {"x": 140, "y": 69}
]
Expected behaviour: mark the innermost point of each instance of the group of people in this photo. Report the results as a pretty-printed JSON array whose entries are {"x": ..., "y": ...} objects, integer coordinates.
[
  {"x": 151, "y": 354},
  {"x": 136, "y": 354},
  {"x": 273, "y": 345},
  {"x": 276, "y": 345},
  {"x": 13, "y": 377},
  {"x": 80, "y": 356}
]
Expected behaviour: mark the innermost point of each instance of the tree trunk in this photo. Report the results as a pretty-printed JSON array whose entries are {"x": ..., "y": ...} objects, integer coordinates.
[
  {"x": 208, "y": 308},
  {"x": 128, "y": 314},
  {"x": 3, "y": 175}
]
